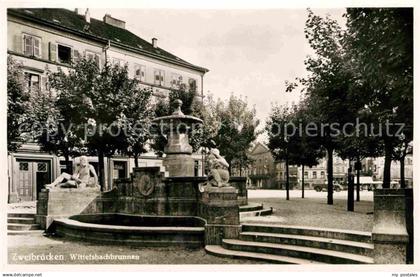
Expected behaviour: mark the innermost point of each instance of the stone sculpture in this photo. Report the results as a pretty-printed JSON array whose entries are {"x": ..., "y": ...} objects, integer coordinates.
[
  {"x": 219, "y": 173},
  {"x": 80, "y": 179}
]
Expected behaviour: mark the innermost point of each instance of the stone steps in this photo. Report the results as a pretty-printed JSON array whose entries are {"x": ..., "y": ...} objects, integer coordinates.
[
  {"x": 251, "y": 207},
  {"x": 24, "y": 215},
  {"x": 21, "y": 220},
  {"x": 301, "y": 252},
  {"x": 22, "y": 227},
  {"x": 262, "y": 212},
  {"x": 280, "y": 243},
  {"x": 24, "y": 232},
  {"x": 218, "y": 250},
  {"x": 22, "y": 224},
  {"x": 349, "y": 235},
  {"x": 353, "y": 247}
]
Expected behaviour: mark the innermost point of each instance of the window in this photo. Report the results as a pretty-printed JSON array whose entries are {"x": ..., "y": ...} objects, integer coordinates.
[
  {"x": 31, "y": 46},
  {"x": 32, "y": 81},
  {"x": 120, "y": 170},
  {"x": 314, "y": 175},
  {"x": 23, "y": 166},
  {"x": 192, "y": 84},
  {"x": 42, "y": 167},
  {"x": 322, "y": 174},
  {"x": 176, "y": 80},
  {"x": 116, "y": 61},
  {"x": 63, "y": 53},
  {"x": 159, "y": 77},
  {"x": 306, "y": 174},
  {"x": 140, "y": 72},
  {"x": 93, "y": 56}
]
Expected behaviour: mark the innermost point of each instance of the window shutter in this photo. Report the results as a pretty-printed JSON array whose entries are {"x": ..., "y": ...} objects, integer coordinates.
[
  {"x": 27, "y": 48},
  {"x": 97, "y": 59},
  {"x": 143, "y": 73},
  {"x": 44, "y": 82},
  {"x": 19, "y": 44},
  {"x": 162, "y": 77},
  {"x": 76, "y": 55},
  {"x": 53, "y": 51},
  {"x": 157, "y": 77},
  {"x": 37, "y": 47}
]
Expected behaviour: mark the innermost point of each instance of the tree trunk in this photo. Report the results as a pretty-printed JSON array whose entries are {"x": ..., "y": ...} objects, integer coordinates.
[
  {"x": 303, "y": 181},
  {"x": 330, "y": 176},
  {"x": 287, "y": 178},
  {"x": 358, "y": 180},
  {"x": 350, "y": 191},
  {"x": 402, "y": 173},
  {"x": 101, "y": 173},
  {"x": 136, "y": 160},
  {"x": 387, "y": 166}
]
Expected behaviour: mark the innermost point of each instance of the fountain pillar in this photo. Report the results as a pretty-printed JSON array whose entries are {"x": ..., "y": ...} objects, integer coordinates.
[{"x": 178, "y": 161}]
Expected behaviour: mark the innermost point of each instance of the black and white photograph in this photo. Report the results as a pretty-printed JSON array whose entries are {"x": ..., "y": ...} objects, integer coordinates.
[{"x": 221, "y": 136}]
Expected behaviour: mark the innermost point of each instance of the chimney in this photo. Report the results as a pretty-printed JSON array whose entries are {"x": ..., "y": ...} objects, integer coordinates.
[
  {"x": 78, "y": 11},
  {"x": 154, "y": 42},
  {"x": 87, "y": 15},
  {"x": 108, "y": 19}
]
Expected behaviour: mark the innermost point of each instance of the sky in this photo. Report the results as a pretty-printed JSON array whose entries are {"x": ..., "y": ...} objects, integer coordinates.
[{"x": 250, "y": 53}]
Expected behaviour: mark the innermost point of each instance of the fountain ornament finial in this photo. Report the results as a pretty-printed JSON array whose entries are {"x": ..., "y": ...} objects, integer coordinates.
[{"x": 178, "y": 105}]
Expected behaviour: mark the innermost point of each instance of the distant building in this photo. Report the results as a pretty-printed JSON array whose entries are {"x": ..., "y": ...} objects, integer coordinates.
[
  {"x": 318, "y": 174},
  {"x": 262, "y": 172},
  {"x": 378, "y": 169},
  {"x": 48, "y": 39},
  {"x": 267, "y": 173}
]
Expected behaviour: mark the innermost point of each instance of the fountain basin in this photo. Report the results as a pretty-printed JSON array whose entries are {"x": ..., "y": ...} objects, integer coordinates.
[{"x": 128, "y": 229}]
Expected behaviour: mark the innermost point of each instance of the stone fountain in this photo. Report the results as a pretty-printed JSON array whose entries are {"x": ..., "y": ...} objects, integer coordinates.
[
  {"x": 178, "y": 160},
  {"x": 155, "y": 205}
]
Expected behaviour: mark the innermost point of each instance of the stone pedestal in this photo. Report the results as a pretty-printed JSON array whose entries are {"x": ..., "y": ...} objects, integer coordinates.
[
  {"x": 389, "y": 234},
  {"x": 179, "y": 165},
  {"x": 219, "y": 206},
  {"x": 64, "y": 202},
  {"x": 240, "y": 184}
]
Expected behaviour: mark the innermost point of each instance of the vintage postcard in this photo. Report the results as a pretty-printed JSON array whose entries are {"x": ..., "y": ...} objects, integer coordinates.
[{"x": 214, "y": 137}]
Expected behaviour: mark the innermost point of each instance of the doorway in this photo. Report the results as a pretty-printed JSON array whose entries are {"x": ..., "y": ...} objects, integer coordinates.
[{"x": 32, "y": 176}]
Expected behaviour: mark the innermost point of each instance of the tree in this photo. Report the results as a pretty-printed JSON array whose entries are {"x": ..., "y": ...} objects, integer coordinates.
[
  {"x": 327, "y": 85},
  {"x": 16, "y": 104},
  {"x": 190, "y": 106},
  {"x": 304, "y": 150},
  {"x": 237, "y": 131},
  {"x": 97, "y": 103},
  {"x": 280, "y": 141},
  {"x": 381, "y": 45}
]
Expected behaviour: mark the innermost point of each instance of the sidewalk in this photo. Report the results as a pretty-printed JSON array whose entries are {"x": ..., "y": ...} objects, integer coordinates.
[{"x": 22, "y": 207}]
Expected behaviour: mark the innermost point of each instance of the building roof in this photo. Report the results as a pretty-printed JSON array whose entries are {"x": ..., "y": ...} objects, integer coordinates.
[
  {"x": 259, "y": 148},
  {"x": 70, "y": 21}
]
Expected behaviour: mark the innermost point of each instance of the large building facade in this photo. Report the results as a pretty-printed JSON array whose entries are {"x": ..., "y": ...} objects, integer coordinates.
[{"x": 45, "y": 40}]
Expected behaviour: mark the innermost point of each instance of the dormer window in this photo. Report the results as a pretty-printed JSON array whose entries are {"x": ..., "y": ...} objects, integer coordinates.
[{"x": 31, "y": 46}]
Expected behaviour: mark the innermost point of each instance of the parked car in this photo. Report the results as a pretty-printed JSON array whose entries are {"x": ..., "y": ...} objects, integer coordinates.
[{"x": 323, "y": 187}]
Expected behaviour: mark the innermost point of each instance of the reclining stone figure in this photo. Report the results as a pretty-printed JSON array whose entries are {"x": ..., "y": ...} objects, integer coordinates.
[{"x": 80, "y": 179}]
